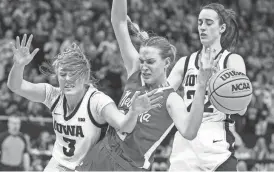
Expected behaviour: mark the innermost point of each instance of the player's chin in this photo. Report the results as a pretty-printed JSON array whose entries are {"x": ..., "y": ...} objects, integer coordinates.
[
  {"x": 204, "y": 41},
  {"x": 148, "y": 80},
  {"x": 69, "y": 91}
]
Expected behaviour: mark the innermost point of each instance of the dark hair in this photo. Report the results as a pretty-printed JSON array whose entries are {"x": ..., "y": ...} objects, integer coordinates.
[
  {"x": 230, "y": 36},
  {"x": 167, "y": 49}
]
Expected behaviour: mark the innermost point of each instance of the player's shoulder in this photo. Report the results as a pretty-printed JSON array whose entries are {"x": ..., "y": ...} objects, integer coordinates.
[
  {"x": 182, "y": 60},
  {"x": 98, "y": 96},
  {"x": 235, "y": 56},
  {"x": 97, "y": 93},
  {"x": 50, "y": 89},
  {"x": 236, "y": 61}
]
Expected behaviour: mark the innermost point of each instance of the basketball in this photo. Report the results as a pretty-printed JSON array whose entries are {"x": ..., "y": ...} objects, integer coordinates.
[{"x": 230, "y": 91}]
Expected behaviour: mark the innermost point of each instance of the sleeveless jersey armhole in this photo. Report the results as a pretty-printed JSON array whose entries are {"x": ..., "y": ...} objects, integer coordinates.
[
  {"x": 103, "y": 127},
  {"x": 91, "y": 116},
  {"x": 55, "y": 103},
  {"x": 225, "y": 61},
  {"x": 186, "y": 65}
]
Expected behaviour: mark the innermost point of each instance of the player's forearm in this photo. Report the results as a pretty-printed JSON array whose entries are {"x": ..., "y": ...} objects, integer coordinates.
[
  {"x": 119, "y": 11},
  {"x": 197, "y": 110},
  {"x": 15, "y": 78},
  {"x": 129, "y": 121}
]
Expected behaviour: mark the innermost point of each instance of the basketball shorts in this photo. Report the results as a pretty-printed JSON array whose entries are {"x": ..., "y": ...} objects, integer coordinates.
[
  {"x": 53, "y": 165},
  {"x": 212, "y": 147},
  {"x": 102, "y": 158}
]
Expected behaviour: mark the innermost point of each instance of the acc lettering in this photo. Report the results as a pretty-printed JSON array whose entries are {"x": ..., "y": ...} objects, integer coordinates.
[
  {"x": 126, "y": 100},
  {"x": 72, "y": 130},
  {"x": 144, "y": 117},
  {"x": 191, "y": 80},
  {"x": 227, "y": 75},
  {"x": 240, "y": 87}
]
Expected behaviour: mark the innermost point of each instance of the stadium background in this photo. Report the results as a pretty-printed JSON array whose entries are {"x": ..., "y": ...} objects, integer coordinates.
[{"x": 57, "y": 23}]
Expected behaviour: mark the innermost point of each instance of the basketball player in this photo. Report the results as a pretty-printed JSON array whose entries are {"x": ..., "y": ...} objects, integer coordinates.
[
  {"x": 213, "y": 147},
  {"x": 80, "y": 112},
  {"x": 146, "y": 69}
]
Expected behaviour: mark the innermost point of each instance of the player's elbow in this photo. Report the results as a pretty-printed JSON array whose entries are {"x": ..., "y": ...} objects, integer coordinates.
[
  {"x": 190, "y": 136},
  {"x": 12, "y": 87},
  {"x": 126, "y": 129}
]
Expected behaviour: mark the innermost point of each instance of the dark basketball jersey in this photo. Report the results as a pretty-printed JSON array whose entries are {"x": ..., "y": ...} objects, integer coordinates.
[{"x": 151, "y": 128}]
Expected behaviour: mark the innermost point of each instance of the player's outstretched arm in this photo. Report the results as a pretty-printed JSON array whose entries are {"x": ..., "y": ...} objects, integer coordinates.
[
  {"x": 175, "y": 77},
  {"x": 119, "y": 22},
  {"x": 188, "y": 123},
  {"x": 16, "y": 83}
]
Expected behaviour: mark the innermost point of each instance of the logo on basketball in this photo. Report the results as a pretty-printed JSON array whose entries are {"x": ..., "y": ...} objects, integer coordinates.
[
  {"x": 240, "y": 87},
  {"x": 230, "y": 91},
  {"x": 229, "y": 74}
]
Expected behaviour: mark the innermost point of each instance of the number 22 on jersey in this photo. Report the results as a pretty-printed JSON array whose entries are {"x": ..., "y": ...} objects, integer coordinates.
[{"x": 208, "y": 106}]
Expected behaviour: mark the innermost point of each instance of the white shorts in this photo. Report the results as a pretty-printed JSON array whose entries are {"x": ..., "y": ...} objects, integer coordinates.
[{"x": 210, "y": 149}]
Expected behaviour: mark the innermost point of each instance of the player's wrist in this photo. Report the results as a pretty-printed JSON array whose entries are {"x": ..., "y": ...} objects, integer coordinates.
[
  {"x": 18, "y": 64},
  {"x": 202, "y": 85},
  {"x": 133, "y": 111}
]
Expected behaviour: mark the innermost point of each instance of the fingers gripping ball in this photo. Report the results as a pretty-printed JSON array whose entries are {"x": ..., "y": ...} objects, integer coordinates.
[{"x": 230, "y": 91}]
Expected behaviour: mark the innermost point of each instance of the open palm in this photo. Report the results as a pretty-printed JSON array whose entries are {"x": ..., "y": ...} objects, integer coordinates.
[
  {"x": 145, "y": 102},
  {"x": 21, "y": 53},
  {"x": 208, "y": 65}
]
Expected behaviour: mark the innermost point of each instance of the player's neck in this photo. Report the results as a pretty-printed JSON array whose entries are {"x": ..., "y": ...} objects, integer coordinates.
[
  {"x": 215, "y": 47},
  {"x": 73, "y": 100},
  {"x": 162, "y": 83}
]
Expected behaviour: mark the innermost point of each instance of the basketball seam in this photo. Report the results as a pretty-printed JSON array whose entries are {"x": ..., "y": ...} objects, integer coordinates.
[
  {"x": 235, "y": 96},
  {"x": 215, "y": 80},
  {"x": 223, "y": 106},
  {"x": 226, "y": 83}
]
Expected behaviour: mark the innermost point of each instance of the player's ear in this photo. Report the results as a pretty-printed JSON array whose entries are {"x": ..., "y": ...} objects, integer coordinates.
[
  {"x": 222, "y": 28},
  {"x": 167, "y": 62}
]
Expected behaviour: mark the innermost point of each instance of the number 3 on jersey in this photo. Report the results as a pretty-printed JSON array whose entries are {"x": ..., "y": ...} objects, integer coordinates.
[
  {"x": 71, "y": 147},
  {"x": 190, "y": 95}
]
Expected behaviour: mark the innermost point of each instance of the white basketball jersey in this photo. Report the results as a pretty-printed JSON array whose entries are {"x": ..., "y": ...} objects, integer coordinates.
[
  {"x": 211, "y": 147},
  {"x": 190, "y": 80},
  {"x": 78, "y": 131}
]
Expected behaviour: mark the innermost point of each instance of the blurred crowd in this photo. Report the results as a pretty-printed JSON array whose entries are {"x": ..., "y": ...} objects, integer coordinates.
[{"x": 55, "y": 24}]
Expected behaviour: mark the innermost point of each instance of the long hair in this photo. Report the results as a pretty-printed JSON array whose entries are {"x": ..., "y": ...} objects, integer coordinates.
[
  {"x": 72, "y": 60},
  {"x": 167, "y": 49},
  {"x": 229, "y": 37}
]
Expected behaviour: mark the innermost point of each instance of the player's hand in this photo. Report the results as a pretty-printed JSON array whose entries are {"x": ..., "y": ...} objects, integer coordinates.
[
  {"x": 208, "y": 66},
  {"x": 143, "y": 103},
  {"x": 21, "y": 52}
]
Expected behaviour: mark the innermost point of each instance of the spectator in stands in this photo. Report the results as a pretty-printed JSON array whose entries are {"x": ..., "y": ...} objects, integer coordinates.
[
  {"x": 13, "y": 145},
  {"x": 260, "y": 149},
  {"x": 54, "y": 20},
  {"x": 242, "y": 166}
]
